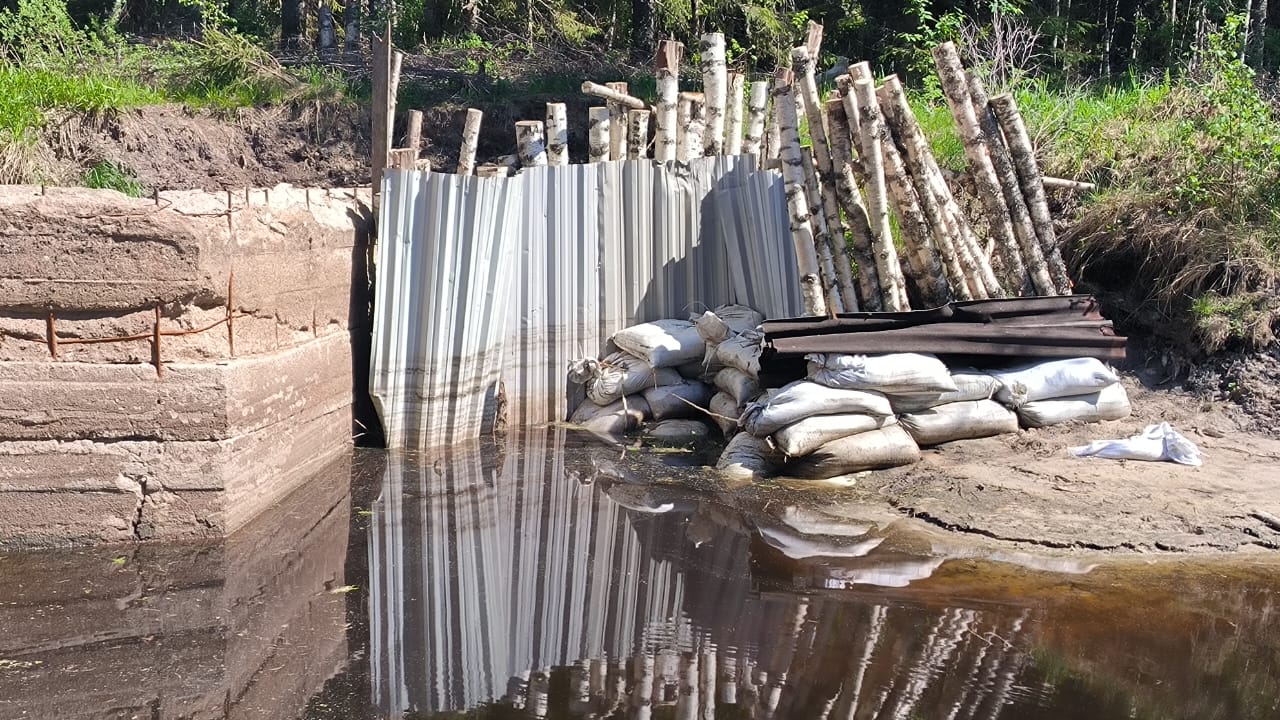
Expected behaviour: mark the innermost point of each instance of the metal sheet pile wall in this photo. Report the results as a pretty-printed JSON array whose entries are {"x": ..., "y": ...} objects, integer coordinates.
[{"x": 488, "y": 281}]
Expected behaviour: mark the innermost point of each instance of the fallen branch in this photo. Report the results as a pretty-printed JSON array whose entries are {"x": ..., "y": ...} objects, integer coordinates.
[
  {"x": 1267, "y": 519},
  {"x": 1065, "y": 184}
]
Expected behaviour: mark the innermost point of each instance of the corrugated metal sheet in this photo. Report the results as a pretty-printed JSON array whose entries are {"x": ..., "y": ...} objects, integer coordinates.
[{"x": 546, "y": 266}]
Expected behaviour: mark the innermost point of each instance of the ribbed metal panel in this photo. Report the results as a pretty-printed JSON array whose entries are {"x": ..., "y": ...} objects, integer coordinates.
[{"x": 489, "y": 285}]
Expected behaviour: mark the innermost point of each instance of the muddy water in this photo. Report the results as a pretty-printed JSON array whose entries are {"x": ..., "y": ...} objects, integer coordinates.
[{"x": 539, "y": 579}]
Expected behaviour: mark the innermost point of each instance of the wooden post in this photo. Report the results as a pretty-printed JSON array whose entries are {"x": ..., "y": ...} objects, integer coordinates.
[
  {"x": 470, "y": 138},
  {"x": 383, "y": 109},
  {"x": 955, "y": 87},
  {"x": 784, "y": 108},
  {"x": 1024, "y": 161},
  {"x": 598, "y": 131},
  {"x": 922, "y": 258},
  {"x": 557, "y": 134},
  {"x": 637, "y": 134},
  {"x": 756, "y": 107},
  {"x": 1019, "y": 216},
  {"x": 695, "y": 133},
  {"x": 733, "y": 118},
  {"x": 531, "y": 143},
  {"x": 403, "y": 159},
  {"x": 936, "y": 199},
  {"x": 855, "y": 211},
  {"x": 821, "y": 234},
  {"x": 618, "y": 119},
  {"x": 803, "y": 66},
  {"x": 893, "y": 291},
  {"x": 715, "y": 88},
  {"x": 413, "y": 136},
  {"x": 668, "y": 83}
]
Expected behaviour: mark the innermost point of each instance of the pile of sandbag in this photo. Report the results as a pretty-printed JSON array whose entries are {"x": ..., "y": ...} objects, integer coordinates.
[
  {"x": 661, "y": 371},
  {"x": 857, "y": 412}
]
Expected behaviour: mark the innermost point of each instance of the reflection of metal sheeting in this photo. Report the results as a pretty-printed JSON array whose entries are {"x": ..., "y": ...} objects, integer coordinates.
[{"x": 483, "y": 281}]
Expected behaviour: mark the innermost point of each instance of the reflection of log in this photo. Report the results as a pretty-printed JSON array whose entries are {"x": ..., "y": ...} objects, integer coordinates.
[
  {"x": 1019, "y": 216},
  {"x": 784, "y": 110},
  {"x": 668, "y": 84},
  {"x": 893, "y": 294},
  {"x": 715, "y": 87},
  {"x": 855, "y": 212},
  {"x": 1032, "y": 185},
  {"x": 955, "y": 86}
]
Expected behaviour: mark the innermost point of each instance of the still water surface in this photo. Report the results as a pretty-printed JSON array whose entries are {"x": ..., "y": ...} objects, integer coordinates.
[{"x": 527, "y": 580}]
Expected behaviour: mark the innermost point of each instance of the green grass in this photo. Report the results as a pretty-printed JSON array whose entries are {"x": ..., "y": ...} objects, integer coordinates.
[
  {"x": 27, "y": 93},
  {"x": 110, "y": 176}
]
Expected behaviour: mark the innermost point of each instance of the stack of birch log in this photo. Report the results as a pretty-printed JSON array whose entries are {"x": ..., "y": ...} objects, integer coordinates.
[{"x": 868, "y": 157}]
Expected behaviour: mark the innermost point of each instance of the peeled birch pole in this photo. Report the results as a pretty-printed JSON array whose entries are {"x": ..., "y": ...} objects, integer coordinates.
[
  {"x": 715, "y": 87},
  {"x": 684, "y": 111},
  {"x": 955, "y": 87},
  {"x": 618, "y": 121},
  {"x": 962, "y": 276},
  {"x": 784, "y": 110},
  {"x": 637, "y": 134},
  {"x": 610, "y": 93},
  {"x": 668, "y": 84},
  {"x": 1024, "y": 162},
  {"x": 855, "y": 211},
  {"x": 803, "y": 66},
  {"x": 773, "y": 134},
  {"x": 922, "y": 257},
  {"x": 557, "y": 134},
  {"x": 821, "y": 233},
  {"x": 756, "y": 107},
  {"x": 470, "y": 138},
  {"x": 695, "y": 131},
  {"x": 598, "y": 132},
  {"x": 531, "y": 143},
  {"x": 733, "y": 116},
  {"x": 1019, "y": 216},
  {"x": 893, "y": 291}
]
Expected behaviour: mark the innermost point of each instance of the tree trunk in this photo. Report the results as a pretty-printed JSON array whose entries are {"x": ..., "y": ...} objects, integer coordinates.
[
  {"x": 1032, "y": 186},
  {"x": 821, "y": 234},
  {"x": 351, "y": 26},
  {"x": 855, "y": 211},
  {"x": 598, "y": 132},
  {"x": 643, "y": 31},
  {"x": 665, "y": 131},
  {"x": 757, "y": 106},
  {"x": 291, "y": 23},
  {"x": 955, "y": 87},
  {"x": 1023, "y": 230},
  {"x": 618, "y": 120},
  {"x": 531, "y": 143},
  {"x": 715, "y": 88},
  {"x": 733, "y": 116},
  {"x": 637, "y": 134},
  {"x": 893, "y": 291},
  {"x": 557, "y": 134},
  {"x": 326, "y": 32},
  {"x": 470, "y": 138},
  {"x": 922, "y": 258},
  {"x": 784, "y": 108}
]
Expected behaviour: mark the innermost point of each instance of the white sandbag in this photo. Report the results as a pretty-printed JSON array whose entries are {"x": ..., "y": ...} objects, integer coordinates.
[
  {"x": 685, "y": 399},
  {"x": 1109, "y": 403},
  {"x": 959, "y": 421},
  {"x": 802, "y": 438},
  {"x": 748, "y": 458},
  {"x": 742, "y": 352},
  {"x": 711, "y": 328},
  {"x": 725, "y": 412},
  {"x": 889, "y": 446},
  {"x": 663, "y": 343},
  {"x": 802, "y": 399},
  {"x": 1154, "y": 444},
  {"x": 970, "y": 385},
  {"x": 892, "y": 373},
  {"x": 614, "y": 419},
  {"x": 617, "y": 375},
  {"x": 1052, "y": 379},
  {"x": 742, "y": 387},
  {"x": 679, "y": 431}
]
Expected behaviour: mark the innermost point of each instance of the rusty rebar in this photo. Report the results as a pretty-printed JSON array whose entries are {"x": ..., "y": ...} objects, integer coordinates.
[
  {"x": 231, "y": 330},
  {"x": 51, "y": 335},
  {"x": 155, "y": 346}
]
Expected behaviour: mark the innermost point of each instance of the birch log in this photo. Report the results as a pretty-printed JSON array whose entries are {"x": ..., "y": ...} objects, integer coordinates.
[
  {"x": 844, "y": 91},
  {"x": 922, "y": 257},
  {"x": 784, "y": 109},
  {"x": 470, "y": 138},
  {"x": 756, "y": 107},
  {"x": 821, "y": 234},
  {"x": 733, "y": 116},
  {"x": 637, "y": 134},
  {"x": 598, "y": 132},
  {"x": 893, "y": 292},
  {"x": 962, "y": 275},
  {"x": 1024, "y": 162},
  {"x": 557, "y": 134},
  {"x": 609, "y": 93},
  {"x": 531, "y": 143},
  {"x": 855, "y": 212},
  {"x": 695, "y": 131},
  {"x": 922, "y": 164},
  {"x": 618, "y": 121},
  {"x": 955, "y": 87},
  {"x": 803, "y": 66},
  {"x": 773, "y": 134},
  {"x": 715, "y": 88},
  {"x": 668, "y": 84},
  {"x": 684, "y": 111},
  {"x": 1019, "y": 216}
]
